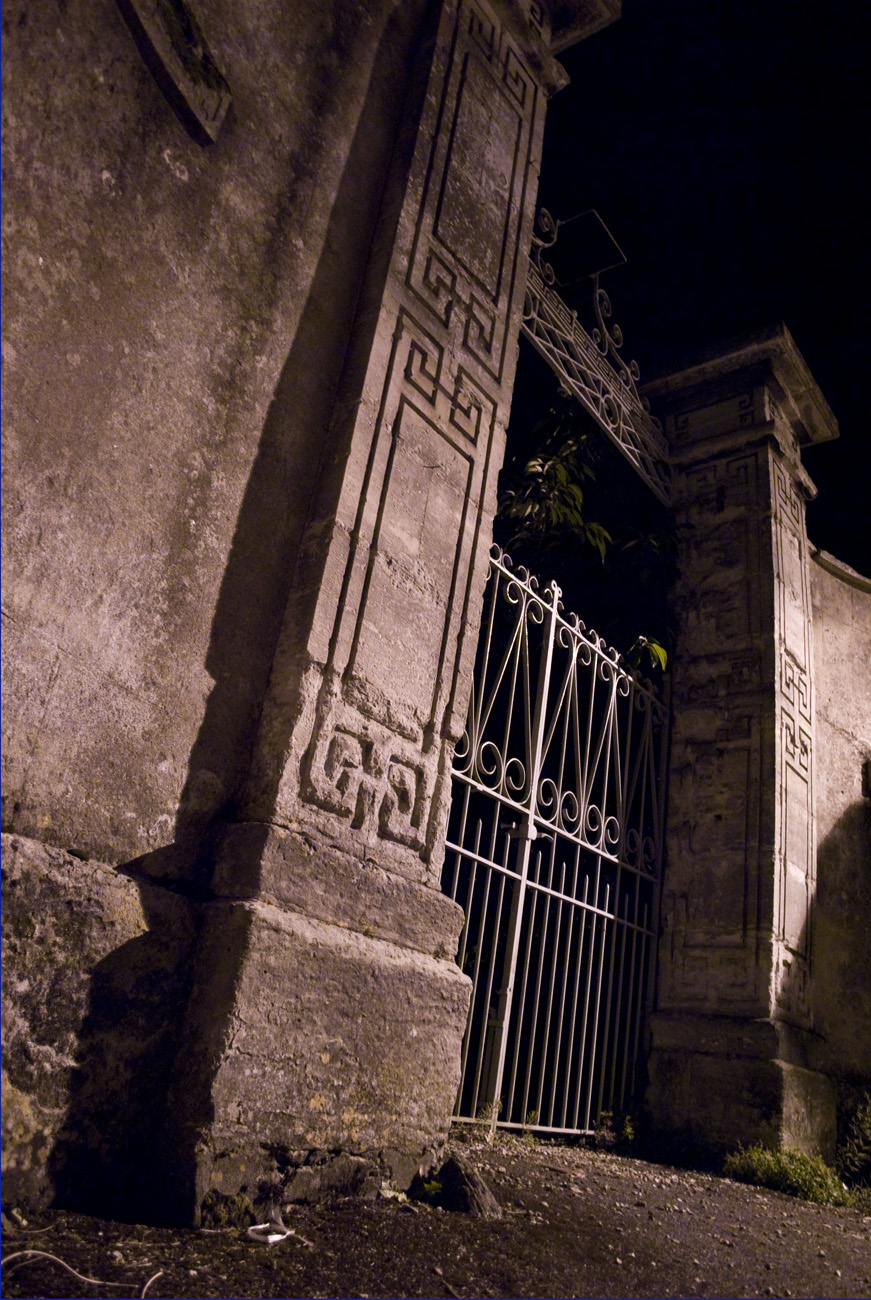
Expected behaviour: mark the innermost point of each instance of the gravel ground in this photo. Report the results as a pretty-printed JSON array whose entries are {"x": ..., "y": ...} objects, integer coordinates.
[{"x": 575, "y": 1222}]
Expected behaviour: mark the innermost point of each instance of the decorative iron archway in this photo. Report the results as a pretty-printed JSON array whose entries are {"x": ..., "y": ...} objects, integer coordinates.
[{"x": 588, "y": 364}]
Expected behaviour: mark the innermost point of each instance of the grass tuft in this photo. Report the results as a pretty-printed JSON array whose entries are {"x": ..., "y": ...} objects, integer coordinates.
[
  {"x": 785, "y": 1170},
  {"x": 854, "y": 1157}
]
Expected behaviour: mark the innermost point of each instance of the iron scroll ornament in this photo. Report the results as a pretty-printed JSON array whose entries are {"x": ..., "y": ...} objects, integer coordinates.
[{"x": 589, "y": 366}]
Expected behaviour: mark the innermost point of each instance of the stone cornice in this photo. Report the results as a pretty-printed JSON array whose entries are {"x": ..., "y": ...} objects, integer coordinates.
[
  {"x": 838, "y": 569},
  {"x": 770, "y": 358},
  {"x": 572, "y": 21}
]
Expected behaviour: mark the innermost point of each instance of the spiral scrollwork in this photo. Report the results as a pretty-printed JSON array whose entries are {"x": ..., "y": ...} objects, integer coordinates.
[
  {"x": 462, "y": 751},
  {"x": 515, "y": 777},
  {"x": 544, "y": 236},
  {"x": 570, "y": 811},
  {"x": 490, "y": 765},
  {"x": 583, "y": 769},
  {"x": 594, "y": 821},
  {"x": 548, "y": 798},
  {"x": 612, "y": 831}
]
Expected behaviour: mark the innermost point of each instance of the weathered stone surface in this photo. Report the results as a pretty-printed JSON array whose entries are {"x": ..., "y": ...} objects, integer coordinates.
[
  {"x": 312, "y": 1036},
  {"x": 717, "y": 1082},
  {"x": 370, "y": 676},
  {"x": 343, "y": 1175},
  {"x": 175, "y": 321},
  {"x": 371, "y": 673},
  {"x": 464, "y": 1189},
  {"x": 94, "y": 975},
  {"x": 739, "y": 888},
  {"x": 842, "y": 971},
  {"x": 287, "y": 868},
  {"x": 255, "y": 400}
]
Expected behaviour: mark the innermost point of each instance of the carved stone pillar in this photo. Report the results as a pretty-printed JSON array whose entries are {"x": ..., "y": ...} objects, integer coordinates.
[
  {"x": 328, "y": 1011},
  {"x": 734, "y": 1056}
]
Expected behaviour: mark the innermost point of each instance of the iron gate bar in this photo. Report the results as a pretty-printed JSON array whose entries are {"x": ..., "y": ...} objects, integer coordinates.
[
  {"x": 554, "y": 851},
  {"x": 527, "y": 834}
]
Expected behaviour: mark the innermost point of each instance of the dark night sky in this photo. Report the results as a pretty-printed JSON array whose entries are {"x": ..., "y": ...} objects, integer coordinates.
[{"x": 727, "y": 145}]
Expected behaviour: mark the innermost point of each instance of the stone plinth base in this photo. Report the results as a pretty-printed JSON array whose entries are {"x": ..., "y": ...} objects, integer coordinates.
[
  {"x": 304, "y": 1034},
  {"x": 288, "y": 868},
  {"x": 715, "y": 1083}
]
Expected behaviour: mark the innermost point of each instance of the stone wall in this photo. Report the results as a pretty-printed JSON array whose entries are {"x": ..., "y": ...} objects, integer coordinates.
[
  {"x": 174, "y": 321},
  {"x": 842, "y": 956},
  {"x": 254, "y": 408},
  {"x": 96, "y": 967},
  {"x": 736, "y": 1052}
]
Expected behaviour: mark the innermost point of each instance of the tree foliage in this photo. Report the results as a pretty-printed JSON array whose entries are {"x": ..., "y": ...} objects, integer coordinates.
[
  {"x": 571, "y": 509},
  {"x": 544, "y": 498}
]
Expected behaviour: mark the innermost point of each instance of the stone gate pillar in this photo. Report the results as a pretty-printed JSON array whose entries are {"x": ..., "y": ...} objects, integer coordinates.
[
  {"x": 734, "y": 1054},
  {"x": 328, "y": 1011}
]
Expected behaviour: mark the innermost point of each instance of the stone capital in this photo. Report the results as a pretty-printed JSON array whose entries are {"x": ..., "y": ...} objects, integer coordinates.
[
  {"x": 728, "y": 398},
  {"x": 572, "y": 21}
]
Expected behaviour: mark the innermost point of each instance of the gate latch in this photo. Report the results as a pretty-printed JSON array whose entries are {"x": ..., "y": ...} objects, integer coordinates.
[
  {"x": 519, "y": 830},
  {"x": 523, "y": 831}
]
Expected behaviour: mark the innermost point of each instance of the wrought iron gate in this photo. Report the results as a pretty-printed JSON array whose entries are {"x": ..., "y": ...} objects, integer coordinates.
[{"x": 554, "y": 850}]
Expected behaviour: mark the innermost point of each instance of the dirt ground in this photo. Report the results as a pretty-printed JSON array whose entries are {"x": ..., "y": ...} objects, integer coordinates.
[{"x": 575, "y": 1222}]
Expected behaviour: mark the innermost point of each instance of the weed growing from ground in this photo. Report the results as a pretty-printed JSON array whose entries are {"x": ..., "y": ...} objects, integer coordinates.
[
  {"x": 615, "y": 1131},
  {"x": 854, "y": 1157},
  {"x": 785, "y": 1170}
]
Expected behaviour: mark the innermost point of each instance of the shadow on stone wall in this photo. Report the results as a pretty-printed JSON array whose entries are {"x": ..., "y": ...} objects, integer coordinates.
[
  {"x": 842, "y": 952},
  {"x": 102, "y": 1160},
  {"x": 717, "y": 1081},
  {"x": 117, "y": 1153},
  {"x": 293, "y": 450}
]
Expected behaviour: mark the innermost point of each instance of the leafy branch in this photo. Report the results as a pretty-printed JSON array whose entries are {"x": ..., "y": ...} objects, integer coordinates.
[
  {"x": 542, "y": 495},
  {"x": 569, "y": 513}
]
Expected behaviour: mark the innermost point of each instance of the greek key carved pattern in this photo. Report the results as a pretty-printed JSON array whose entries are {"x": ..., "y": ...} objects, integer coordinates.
[
  {"x": 796, "y": 743},
  {"x": 796, "y": 867},
  {"x": 796, "y": 852},
  {"x": 788, "y": 503},
  {"x": 367, "y": 758},
  {"x": 793, "y": 594},
  {"x": 494, "y": 44},
  {"x": 401, "y": 808},
  {"x": 514, "y": 78},
  {"x": 710, "y": 488},
  {"x": 423, "y": 364},
  {"x": 484, "y": 32},
  {"x": 440, "y": 280},
  {"x": 447, "y": 293},
  {"x": 743, "y": 411},
  {"x": 536, "y": 16},
  {"x": 355, "y": 769},
  {"x": 360, "y": 777},
  {"x": 460, "y": 403},
  {"x": 480, "y": 329},
  {"x": 795, "y": 684},
  {"x": 469, "y": 299}
]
